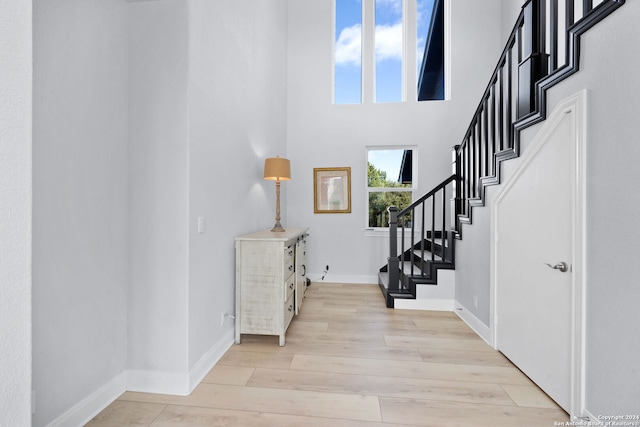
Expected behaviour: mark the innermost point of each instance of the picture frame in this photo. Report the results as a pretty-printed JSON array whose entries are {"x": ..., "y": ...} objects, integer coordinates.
[{"x": 332, "y": 190}]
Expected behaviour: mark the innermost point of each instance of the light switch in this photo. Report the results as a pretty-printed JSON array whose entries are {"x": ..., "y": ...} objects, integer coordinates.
[{"x": 201, "y": 225}]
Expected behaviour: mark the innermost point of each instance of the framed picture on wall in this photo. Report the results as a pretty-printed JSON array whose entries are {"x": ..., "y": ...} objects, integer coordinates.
[{"x": 332, "y": 190}]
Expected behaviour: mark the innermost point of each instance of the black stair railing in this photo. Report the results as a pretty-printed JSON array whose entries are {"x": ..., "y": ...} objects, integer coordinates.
[
  {"x": 420, "y": 236},
  {"x": 542, "y": 50}
]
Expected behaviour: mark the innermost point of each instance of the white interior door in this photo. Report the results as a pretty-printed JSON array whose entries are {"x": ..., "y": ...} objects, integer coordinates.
[{"x": 534, "y": 225}]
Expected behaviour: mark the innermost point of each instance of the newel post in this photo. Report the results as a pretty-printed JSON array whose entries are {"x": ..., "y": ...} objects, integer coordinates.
[
  {"x": 534, "y": 60},
  {"x": 393, "y": 262}
]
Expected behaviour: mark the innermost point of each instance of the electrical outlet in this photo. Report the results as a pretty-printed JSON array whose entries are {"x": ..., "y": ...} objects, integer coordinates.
[{"x": 223, "y": 317}]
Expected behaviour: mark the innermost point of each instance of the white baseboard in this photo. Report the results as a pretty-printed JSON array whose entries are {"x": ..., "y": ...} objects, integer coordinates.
[
  {"x": 211, "y": 357},
  {"x": 593, "y": 420},
  {"x": 83, "y": 411},
  {"x": 178, "y": 384},
  {"x": 144, "y": 381},
  {"x": 158, "y": 382},
  {"x": 345, "y": 278},
  {"x": 424, "y": 304},
  {"x": 474, "y": 323}
]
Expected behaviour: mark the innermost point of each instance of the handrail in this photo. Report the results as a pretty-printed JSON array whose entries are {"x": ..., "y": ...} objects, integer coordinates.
[
  {"x": 541, "y": 51},
  {"x": 429, "y": 194},
  {"x": 515, "y": 98},
  {"x": 426, "y": 220}
]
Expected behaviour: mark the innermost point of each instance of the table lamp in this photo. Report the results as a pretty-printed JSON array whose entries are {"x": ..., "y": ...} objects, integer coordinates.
[{"x": 277, "y": 169}]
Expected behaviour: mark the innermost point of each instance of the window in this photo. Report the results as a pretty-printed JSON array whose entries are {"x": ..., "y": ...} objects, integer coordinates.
[
  {"x": 430, "y": 49},
  {"x": 391, "y": 181},
  {"x": 348, "y": 52},
  {"x": 388, "y": 50},
  {"x": 372, "y": 57}
]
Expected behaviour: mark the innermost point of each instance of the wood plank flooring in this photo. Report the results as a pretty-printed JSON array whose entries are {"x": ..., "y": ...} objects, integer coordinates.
[{"x": 349, "y": 361}]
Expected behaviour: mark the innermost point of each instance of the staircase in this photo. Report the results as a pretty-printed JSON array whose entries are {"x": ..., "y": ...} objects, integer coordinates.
[
  {"x": 542, "y": 50},
  {"x": 426, "y": 244}
]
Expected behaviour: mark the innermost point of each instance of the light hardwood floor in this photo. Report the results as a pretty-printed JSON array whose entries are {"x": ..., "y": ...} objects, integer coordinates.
[{"x": 349, "y": 361}]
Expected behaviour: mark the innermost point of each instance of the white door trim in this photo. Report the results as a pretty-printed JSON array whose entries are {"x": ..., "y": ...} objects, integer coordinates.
[{"x": 576, "y": 105}]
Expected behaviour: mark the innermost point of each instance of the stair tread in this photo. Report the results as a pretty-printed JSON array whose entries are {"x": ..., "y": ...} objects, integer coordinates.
[
  {"x": 406, "y": 268},
  {"x": 437, "y": 241},
  {"x": 426, "y": 256}
]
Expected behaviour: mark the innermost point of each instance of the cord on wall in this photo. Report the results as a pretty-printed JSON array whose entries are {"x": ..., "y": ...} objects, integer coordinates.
[{"x": 326, "y": 270}]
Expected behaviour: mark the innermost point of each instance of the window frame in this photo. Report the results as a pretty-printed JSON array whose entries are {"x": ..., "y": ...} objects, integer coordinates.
[
  {"x": 412, "y": 72},
  {"x": 333, "y": 57},
  {"x": 368, "y": 190}
]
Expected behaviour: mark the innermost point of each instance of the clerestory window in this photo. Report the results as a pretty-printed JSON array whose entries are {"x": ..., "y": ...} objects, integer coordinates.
[{"x": 373, "y": 59}]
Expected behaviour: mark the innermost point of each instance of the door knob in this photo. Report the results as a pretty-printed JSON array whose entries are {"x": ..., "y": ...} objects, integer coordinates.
[{"x": 561, "y": 266}]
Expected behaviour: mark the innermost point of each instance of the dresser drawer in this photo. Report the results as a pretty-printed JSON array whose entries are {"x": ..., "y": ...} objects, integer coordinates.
[
  {"x": 289, "y": 251},
  {"x": 289, "y": 286},
  {"x": 289, "y": 310},
  {"x": 288, "y": 269}
]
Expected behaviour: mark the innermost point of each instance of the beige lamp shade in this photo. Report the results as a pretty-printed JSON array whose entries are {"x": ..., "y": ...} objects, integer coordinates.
[{"x": 277, "y": 169}]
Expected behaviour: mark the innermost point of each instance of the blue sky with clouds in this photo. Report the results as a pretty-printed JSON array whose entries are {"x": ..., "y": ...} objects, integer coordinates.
[{"x": 388, "y": 48}]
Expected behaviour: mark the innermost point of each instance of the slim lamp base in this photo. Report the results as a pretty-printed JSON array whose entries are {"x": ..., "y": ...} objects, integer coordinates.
[{"x": 277, "y": 227}]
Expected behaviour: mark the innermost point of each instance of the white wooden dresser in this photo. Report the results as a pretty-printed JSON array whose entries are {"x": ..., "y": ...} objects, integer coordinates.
[{"x": 271, "y": 280}]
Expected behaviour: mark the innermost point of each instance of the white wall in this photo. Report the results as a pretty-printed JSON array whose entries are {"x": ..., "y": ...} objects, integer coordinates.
[
  {"x": 15, "y": 212},
  {"x": 608, "y": 73},
  {"x": 79, "y": 200},
  {"x": 237, "y": 118},
  {"x": 147, "y": 115},
  {"x": 324, "y": 135},
  {"x": 613, "y": 155},
  {"x": 207, "y": 105},
  {"x": 159, "y": 195},
  {"x": 510, "y": 11}
]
